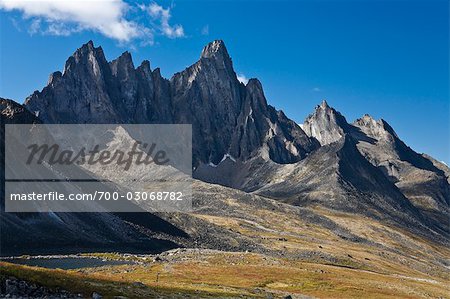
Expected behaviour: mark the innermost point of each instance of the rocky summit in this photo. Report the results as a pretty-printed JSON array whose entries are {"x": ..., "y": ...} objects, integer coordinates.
[
  {"x": 328, "y": 193},
  {"x": 227, "y": 117}
]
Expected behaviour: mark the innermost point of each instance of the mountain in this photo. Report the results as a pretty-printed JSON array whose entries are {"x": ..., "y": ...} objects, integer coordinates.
[
  {"x": 348, "y": 173},
  {"x": 228, "y": 117},
  {"x": 240, "y": 141},
  {"x": 414, "y": 175}
]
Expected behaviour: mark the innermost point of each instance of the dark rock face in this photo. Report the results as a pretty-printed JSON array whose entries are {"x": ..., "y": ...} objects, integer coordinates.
[
  {"x": 227, "y": 117},
  {"x": 261, "y": 125},
  {"x": 91, "y": 90},
  {"x": 208, "y": 95}
]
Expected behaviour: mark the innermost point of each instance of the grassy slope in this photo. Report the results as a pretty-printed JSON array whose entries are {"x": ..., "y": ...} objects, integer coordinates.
[
  {"x": 222, "y": 274},
  {"x": 313, "y": 251}
]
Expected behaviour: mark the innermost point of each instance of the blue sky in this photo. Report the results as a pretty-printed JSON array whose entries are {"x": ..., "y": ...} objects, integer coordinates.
[{"x": 389, "y": 59}]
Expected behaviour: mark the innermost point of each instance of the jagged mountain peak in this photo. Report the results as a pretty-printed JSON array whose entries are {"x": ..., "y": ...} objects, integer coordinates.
[
  {"x": 324, "y": 104},
  {"x": 88, "y": 48},
  {"x": 215, "y": 48},
  {"x": 214, "y": 64},
  {"x": 325, "y": 124},
  {"x": 254, "y": 83},
  {"x": 87, "y": 55},
  {"x": 125, "y": 56},
  {"x": 375, "y": 128},
  {"x": 89, "y": 44},
  {"x": 214, "y": 58},
  {"x": 226, "y": 117},
  {"x": 145, "y": 64},
  {"x": 54, "y": 77},
  {"x": 124, "y": 63}
]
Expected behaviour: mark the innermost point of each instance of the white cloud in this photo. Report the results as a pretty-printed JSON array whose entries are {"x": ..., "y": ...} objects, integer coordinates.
[
  {"x": 35, "y": 26},
  {"x": 242, "y": 78},
  {"x": 162, "y": 16},
  {"x": 111, "y": 18},
  {"x": 316, "y": 89},
  {"x": 205, "y": 30}
]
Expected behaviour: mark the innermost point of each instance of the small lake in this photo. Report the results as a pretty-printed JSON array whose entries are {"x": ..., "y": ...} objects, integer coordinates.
[{"x": 66, "y": 263}]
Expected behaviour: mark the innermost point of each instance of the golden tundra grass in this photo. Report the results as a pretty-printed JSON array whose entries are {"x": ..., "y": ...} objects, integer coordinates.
[
  {"x": 401, "y": 266},
  {"x": 232, "y": 274}
]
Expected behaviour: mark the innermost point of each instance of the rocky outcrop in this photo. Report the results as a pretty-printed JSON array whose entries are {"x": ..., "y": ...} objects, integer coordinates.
[
  {"x": 11, "y": 287},
  {"x": 12, "y": 112},
  {"x": 326, "y": 124}
]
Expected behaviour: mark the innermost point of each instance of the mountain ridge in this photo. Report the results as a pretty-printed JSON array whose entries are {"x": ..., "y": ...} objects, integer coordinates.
[
  {"x": 207, "y": 94},
  {"x": 242, "y": 142}
]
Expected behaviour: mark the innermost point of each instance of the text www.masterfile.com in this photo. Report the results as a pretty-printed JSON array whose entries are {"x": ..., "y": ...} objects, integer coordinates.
[{"x": 98, "y": 196}]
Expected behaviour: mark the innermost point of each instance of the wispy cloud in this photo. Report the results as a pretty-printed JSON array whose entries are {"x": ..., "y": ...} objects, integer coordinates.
[
  {"x": 205, "y": 30},
  {"x": 242, "y": 78},
  {"x": 316, "y": 89},
  {"x": 161, "y": 16},
  {"x": 111, "y": 18}
]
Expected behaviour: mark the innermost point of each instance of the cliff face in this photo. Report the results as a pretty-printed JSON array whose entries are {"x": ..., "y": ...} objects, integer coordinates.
[{"x": 227, "y": 117}]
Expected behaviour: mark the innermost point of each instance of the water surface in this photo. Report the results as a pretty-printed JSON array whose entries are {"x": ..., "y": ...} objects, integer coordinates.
[{"x": 66, "y": 262}]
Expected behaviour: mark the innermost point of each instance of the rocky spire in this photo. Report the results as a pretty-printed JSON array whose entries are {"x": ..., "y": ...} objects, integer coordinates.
[
  {"x": 324, "y": 104},
  {"x": 14, "y": 113},
  {"x": 84, "y": 93},
  {"x": 325, "y": 124},
  {"x": 87, "y": 56},
  {"x": 217, "y": 52},
  {"x": 378, "y": 129},
  {"x": 124, "y": 64},
  {"x": 214, "y": 49}
]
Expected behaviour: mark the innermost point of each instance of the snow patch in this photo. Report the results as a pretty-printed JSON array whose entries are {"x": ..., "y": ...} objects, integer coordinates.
[{"x": 226, "y": 156}]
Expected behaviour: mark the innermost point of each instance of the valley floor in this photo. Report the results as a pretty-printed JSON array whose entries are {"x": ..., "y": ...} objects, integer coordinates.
[{"x": 202, "y": 273}]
